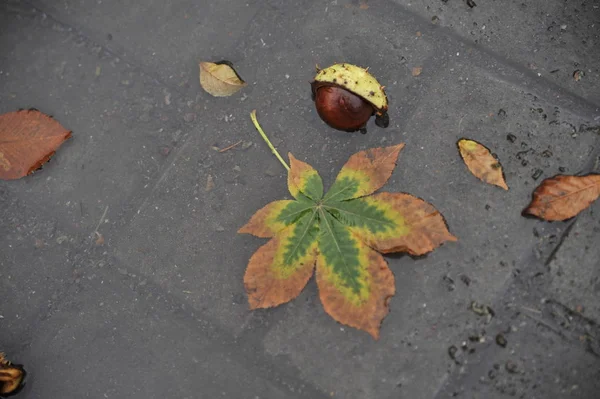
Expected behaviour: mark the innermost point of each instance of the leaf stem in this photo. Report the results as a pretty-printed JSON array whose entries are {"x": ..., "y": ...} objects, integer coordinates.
[{"x": 266, "y": 139}]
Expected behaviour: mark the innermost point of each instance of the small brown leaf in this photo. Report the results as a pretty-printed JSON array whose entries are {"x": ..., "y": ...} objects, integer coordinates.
[
  {"x": 27, "y": 140},
  {"x": 220, "y": 79},
  {"x": 563, "y": 197},
  {"x": 416, "y": 71},
  {"x": 363, "y": 5},
  {"x": 481, "y": 163},
  {"x": 11, "y": 377},
  {"x": 210, "y": 183},
  {"x": 99, "y": 239}
]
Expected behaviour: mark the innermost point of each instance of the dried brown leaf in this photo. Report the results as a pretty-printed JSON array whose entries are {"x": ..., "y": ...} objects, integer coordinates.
[
  {"x": 99, "y": 239},
  {"x": 11, "y": 377},
  {"x": 210, "y": 183},
  {"x": 220, "y": 79},
  {"x": 481, "y": 162},
  {"x": 416, "y": 71},
  {"x": 27, "y": 140},
  {"x": 563, "y": 197}
]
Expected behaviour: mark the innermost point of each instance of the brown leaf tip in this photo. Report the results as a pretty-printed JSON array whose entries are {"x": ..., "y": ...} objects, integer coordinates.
[{"x": 451, "y": 237}]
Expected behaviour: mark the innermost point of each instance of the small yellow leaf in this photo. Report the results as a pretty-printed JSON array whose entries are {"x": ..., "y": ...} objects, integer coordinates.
[
  {"x": 220, "y": 79},
  {"x": 481, "y": 162},
  {"x": 416, "y": 71}
]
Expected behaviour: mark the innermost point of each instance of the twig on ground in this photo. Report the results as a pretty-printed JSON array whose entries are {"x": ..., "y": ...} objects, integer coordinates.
[{"x": 231, "y": 146}]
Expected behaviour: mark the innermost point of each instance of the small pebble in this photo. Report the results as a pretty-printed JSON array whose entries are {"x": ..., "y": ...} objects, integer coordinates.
[
  {"x": 452, "y": 352},
  {"x": 480, "y": 338},
  {"x": 465, "y": 279},
  {"x": 164, "y": 151},
  {"x": 271, "y": 172},
  {"x": 500, "y": 340},
  {"x": 481, "y": 309},
  {"x": 449, "y": 283},
  {"x": 246, "y": 145},
  {"x": 511, "y": 367}
]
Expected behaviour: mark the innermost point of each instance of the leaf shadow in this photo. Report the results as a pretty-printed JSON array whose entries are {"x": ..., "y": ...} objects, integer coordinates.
[{"x": 400, "y": 255}]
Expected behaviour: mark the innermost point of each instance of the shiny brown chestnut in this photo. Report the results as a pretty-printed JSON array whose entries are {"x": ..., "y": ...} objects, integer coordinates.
[
  {"x": 342, "y": 109},
  {"x": 346, "y": 96}
]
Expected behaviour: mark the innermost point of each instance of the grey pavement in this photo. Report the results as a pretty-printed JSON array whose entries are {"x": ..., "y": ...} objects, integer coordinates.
[{"x": 158, "y": 310}]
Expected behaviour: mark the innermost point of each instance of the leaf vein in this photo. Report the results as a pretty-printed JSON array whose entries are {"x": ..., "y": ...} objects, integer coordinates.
[
  {"x": 337, "y": 245},
  {"x": 299, "y": 241},
  {"x": 380, "y": 221}
]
